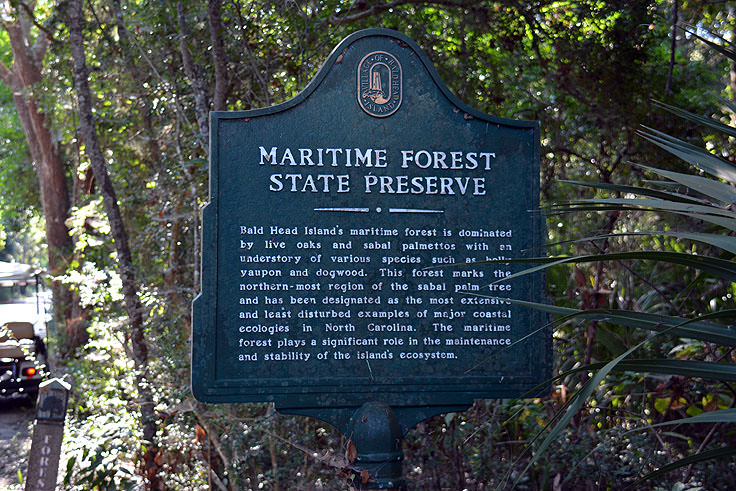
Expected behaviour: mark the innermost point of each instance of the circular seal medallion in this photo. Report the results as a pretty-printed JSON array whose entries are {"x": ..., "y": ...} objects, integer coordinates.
[{"x": 379, "y": 84}]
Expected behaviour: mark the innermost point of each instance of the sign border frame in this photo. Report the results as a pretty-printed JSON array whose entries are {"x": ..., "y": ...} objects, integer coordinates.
[{"x": 204, "y": 305}]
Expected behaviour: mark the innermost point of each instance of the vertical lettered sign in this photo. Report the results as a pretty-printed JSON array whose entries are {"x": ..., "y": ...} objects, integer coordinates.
[
  {"x": 345, "y": 239},
  {"x": 48, "y": 431}
]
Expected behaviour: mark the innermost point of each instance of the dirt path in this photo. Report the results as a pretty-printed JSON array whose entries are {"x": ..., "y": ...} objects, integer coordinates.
[{"x": 16, "y": 415}]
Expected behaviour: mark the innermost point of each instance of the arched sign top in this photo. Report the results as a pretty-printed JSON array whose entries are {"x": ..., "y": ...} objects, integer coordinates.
[{"x": 398, "y": 43}]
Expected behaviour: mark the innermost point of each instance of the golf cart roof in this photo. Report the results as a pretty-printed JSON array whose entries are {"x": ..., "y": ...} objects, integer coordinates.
[{"x": 14, "y": 273}]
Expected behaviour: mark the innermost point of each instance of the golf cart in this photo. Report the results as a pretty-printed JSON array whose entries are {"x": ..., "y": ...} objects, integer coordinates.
[
  {"x": 22, "y": 359},
  {"x": 22, "y": 351}
]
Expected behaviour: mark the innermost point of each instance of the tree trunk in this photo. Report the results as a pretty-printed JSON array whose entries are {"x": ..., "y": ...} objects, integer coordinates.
[
  {"x": 195, "y": 74},
  {"x": 50, "y": 170},
  {"x": 214, "y": 15},
  {"x": 133, "y": 305}
]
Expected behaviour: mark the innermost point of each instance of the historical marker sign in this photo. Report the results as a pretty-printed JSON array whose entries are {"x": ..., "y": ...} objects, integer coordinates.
[{"x": 331, "y": 224}]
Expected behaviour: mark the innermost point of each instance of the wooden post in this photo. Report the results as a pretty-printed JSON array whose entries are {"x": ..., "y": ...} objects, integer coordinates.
[{"x": 43, "y": 464}]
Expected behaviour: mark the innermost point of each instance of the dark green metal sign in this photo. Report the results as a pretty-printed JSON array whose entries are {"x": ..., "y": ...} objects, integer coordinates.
[{"x": 337, "y": 237}]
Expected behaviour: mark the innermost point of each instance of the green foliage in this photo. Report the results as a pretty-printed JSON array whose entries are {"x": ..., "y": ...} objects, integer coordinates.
[
  {"x": 17, "y": 177},
  {"x": 704, "y": 201}
]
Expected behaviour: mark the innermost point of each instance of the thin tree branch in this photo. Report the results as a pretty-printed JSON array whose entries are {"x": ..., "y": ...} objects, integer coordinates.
[
  {"x": 39, "y": 47},
  {"x": 673, "y": 48},
  {"x": 689, "y": 471},
  {"x": 23, "y": 66},
  {"x": 569, "y": 151},
  {"x": 7, "y": 76},
  {"x": 328, "y": 458},
  {"x": 217, "y": 480},
  {"x": 212, "y": 435},
  {"x": 29, "y": 12},
  {"x": 377, "y": 9}
]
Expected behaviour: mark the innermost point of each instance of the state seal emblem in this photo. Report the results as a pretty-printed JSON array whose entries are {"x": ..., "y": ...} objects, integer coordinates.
[{"x": 379, "y": 84}]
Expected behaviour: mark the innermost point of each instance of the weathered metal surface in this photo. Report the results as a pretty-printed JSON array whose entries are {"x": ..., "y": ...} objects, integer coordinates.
[
  {"x": 326, "y": 243},
  {"x": 48, "y": 431},
  {"x": 375, "y": 435}
]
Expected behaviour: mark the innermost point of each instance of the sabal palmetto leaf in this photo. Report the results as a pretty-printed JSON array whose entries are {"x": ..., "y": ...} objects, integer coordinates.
[
  {"x": 700, "y": 158},
  {"x": 715, "y": 189},
  {"x": 718, "y": 267},
  {"x": 717, "y": 453},
  {"x": 703, "y": 198},
  {"x": 578, "y": 399},
  {"x": 697, "y": 119},
  {"x": 717, "y": 416},
  {"x": 726, "y": 223},
  {"x": 622, "y": 188},
  {"x": 576, "y": 207},
  {"x": 574, "y": 405},
  {"x": 729, "y": 104},
  {"x": 698, "y": 328},
  {"x": 711, "y": 201},
  {"x": 669, "y": 184},
  {"x": 694, "y": 209},
  {"x": 722, "y": 220},
  {"x": 724, "y": 372},
  {"x": 665, "y": 205},
  {"x": 725, "y": 242},
  {"x": 724, "y": 49},
  {"x": 687, "y": 368}
]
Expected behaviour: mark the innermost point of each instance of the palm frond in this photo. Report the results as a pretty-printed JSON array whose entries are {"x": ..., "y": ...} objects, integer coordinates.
[{"x": 698, "y": 157}]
